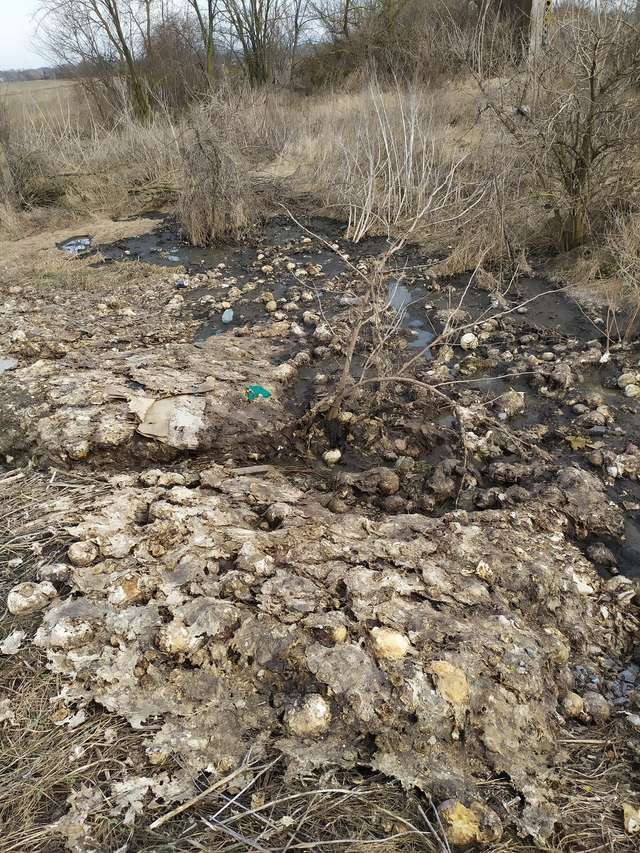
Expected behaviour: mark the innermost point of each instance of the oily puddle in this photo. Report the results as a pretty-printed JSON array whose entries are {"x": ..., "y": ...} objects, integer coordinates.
[{"x": 164, "y": 246}]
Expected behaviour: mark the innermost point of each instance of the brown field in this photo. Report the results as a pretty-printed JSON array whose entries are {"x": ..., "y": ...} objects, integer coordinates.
[{"x": 41, "y": 99}]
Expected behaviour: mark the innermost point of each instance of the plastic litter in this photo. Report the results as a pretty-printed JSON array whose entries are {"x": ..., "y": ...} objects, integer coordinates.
[
  {"x": 227, "y": 317},
  {"x": 75, "y": 245},
  {"x": 253, "y": 392}
]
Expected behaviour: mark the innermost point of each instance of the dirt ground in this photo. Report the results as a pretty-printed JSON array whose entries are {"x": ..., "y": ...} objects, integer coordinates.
[{"x": 234, "y": 622}]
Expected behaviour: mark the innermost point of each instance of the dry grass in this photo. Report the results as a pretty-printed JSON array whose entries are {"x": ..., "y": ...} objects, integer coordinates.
[
  {"x": 43, "y": 100},
  {"x": 215, "y": 200},
  {"x": 371, "y": 156},
  {"x": 609, "y": 274}
]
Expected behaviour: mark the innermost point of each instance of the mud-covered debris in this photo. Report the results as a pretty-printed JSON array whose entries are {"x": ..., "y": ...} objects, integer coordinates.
[
  {"x": 192, "y": 398},
  {"x": 7, "y": 714},
  {"x": 177, "y": 638},
  {"x": 573, "y": 705},
  {"x": 469, "y": 341},
  {"x": 596, "y": 706},
  {"x": 177, "y": 421},
  {"x": 464, "y": 826},
  {"x": 631, "y": 816},
  {"x": 12, "y": 643},
  {"x": 54, "y": 572},
  {"x": 510, "y": 404},
  {"x": 311, "y": 717},
  {"x": 74, "y": 827},
  {"x": 30, "y": 597},
  {"x": 582, "y": 496},
  {"x": 83, "y": 553},
  {"x": 241, "y": 606}
]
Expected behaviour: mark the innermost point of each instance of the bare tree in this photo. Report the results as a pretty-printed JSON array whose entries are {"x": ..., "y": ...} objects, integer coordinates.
[
  {"x": 255, "y": 27},
  {"x": 206, "y": 13},
  {"x": 297, "y": 16},
  {"x": 98, "y": 33},
  {"x": 574, "y": 112},
  {"x": 336, "y": 17}
]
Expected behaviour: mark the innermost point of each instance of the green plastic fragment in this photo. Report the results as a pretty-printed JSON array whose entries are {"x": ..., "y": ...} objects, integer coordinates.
[{"x": 252, "y": 392}]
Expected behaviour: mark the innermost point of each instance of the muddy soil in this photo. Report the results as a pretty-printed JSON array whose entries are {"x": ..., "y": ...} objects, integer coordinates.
[{"x": 434, "y": 585}]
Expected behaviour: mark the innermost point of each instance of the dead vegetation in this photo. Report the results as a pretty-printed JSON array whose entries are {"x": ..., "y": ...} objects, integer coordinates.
[
  {"x": 241, "y": 656},
  {"x": 215, "y": 199},
  {"x": 79, "y": 776}
]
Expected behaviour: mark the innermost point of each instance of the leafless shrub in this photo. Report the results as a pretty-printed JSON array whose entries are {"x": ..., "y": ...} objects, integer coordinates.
[
  {"x": 611, "y": 273},
  {"x": 572, "y": 112},
  {"x": 623, "y": 242},
  {"x": 83, "y": 165},
  {"x": 215, "y": 200}
]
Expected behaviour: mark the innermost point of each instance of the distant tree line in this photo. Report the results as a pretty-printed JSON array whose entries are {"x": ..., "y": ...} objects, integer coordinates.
[
  {"x": 15, "y": 74},
  {"x": 169, "y": 51}
]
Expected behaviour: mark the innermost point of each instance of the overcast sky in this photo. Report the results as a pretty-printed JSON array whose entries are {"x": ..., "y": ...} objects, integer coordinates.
[{"x": 16, "y": 35}]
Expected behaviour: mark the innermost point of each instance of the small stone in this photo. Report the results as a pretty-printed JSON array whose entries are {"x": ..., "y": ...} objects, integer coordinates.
[
  {"x": 277, "y": 513},
  {"x": 54, "y": 572},
  {"x": 394, "y": 503},
  {"x": 176, "y": 638},
  {"x": 171, "y": 478},
  {"x": 337, "y": 505},
  {"x": 632, "y": 390},
  {"x": 82, "y": 553},
  {"x": 469, "y": 341},
  {"x": 596, "y": 458},
  {"x": 389, "y": 644},
  {"x": 322, "y": 333},
  {"x": 339, "y": 634},
  {"x": 451, "y": 682},
  {"x": 271, "y": 306},
  {"x": 512, "y": 403},
  {"x": 628, "y": 379},
  {"x": 332, "y": 457},
  {"x": 30, "y": 597},
  {"x": 405, "y": 464},
  {"x": 383, "y": 481},
  {"x": 310, "y": 319},
  {"x": 573, "y": 705},
  {"x": 227, "y": 316},
  {"x": 285, "y": 372},
  {"x": 596, "y": 706},
  {"x": 466, "y": 826},
  {"x": 311, "y": 718}
]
